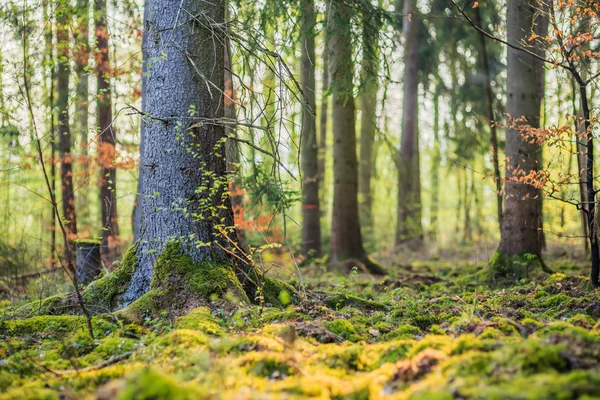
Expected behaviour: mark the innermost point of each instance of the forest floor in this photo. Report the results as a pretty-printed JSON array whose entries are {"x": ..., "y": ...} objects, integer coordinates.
[{"x": 429, "y": 330}]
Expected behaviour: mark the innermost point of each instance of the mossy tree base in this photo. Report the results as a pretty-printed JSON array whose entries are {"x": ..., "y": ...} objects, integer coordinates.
[{"x": 505, "y": 269}]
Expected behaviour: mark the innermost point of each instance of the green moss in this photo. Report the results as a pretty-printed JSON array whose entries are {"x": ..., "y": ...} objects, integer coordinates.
[
  {"x": 102, "y": 294},
  {"x": 149, "y": 384},
  {"x": 505, "y": 269},
  {"x": 339, "y": 301},
  {"x": 199, "y": 319},
  {"x": 53, "y": 305},
  {"x": 175, "y": 270},
  {"x": 344, "y": 329},
  {"x": 146, "y": 306},
  {"x": 268, "y": 365},
  {"x": 91, "y": 242},
  {"x": 53, "y": 325},
  {"x": 279, "y": 293}
]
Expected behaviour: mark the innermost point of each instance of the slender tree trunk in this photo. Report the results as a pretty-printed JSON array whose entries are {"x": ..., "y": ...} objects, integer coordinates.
[
  {"x": 311, "y": 217},
  {"x": 409, "y": 230},
  {"x": 489, "y": 103},
  {"x": 580, "y": 148},
  {"x": 64, "y": 132},
  {"x": 107, "y": 140},
  {"x": 368, "y": 102},
  {"x": 522, "y": 212},
  {"x": 232, "y": 147},
  {"x": 49, "y": 66},
  {"x": 183, "y": 171},
  {"x": 346, "y": 240},
  {"x": 435, "y": 167},
  {"x": 323, "y": 118},
  {"x": 466, "y": 194},
  {"x": 82, "y": 53}
]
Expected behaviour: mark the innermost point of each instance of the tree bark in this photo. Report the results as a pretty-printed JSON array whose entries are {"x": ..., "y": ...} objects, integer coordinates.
[
  {"x": 183, "y": 172},
  {"x": 368, "y": 103},
  {"x": 63, "y": 131},
  {"x": 409, "y": 231},
  {"x": 346, "y": 240},
  {"x": 489, "y": 104},
  {"x": 106, "y": 140},
  {"x": 82, "y": 54},
  {"x": 435, "y": 167},
  {"x": 522, "y": 212},
  {"x": 311, "y": 214},
  {"x": 323, "y": 119}
]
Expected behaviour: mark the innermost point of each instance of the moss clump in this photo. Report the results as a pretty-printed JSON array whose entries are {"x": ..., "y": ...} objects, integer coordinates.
[
  {"x": 279, "y": 293},
  {"x": 344, "y": 329},
  {"x": 273, "y": 366},
  {"x": 149, "y": 384},
  {"x": 339, "y": 301},
  {"x": 505, "y": 269},
  {"x": 53, "y": 325},
  {"x": 175, "y": 270},
  {"x": 53, "y": 305},
  {"x": 199, "y": 319},
  {"x": 102, "y": 294},
  {"x": 146, "y": 306}
]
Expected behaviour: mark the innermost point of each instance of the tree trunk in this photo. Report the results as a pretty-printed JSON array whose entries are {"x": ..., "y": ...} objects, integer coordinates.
[
  {"x": 522, "y": 212},
  {"x": 580, "y": 149},
  {"x": 409, "y": 231},
  {"x": 311, "y": 217},
  {"x": 368, "y": 102},
  {"x": 489, "y": 103},
  {"x": 232, "y": 147},
  {"x": 346, "y": 240},
  {"x": 106, "y": 140},
  {"x": 323, "y": 124},
  {"x": 183, "y": 181},
  {"x": 435, "y": 168},
  {"x": 82, "y": 54},
  {"x": 64, "y": 132}
]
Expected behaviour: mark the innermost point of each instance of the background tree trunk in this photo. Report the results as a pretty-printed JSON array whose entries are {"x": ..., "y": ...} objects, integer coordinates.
[
  {"x": 522, "y": 212},
  {"x": 63, "y": 131},
  {"x": 106, "y": 140},
  {"x": 346, "y": 241},
  {"x": 409, "y": 231},
  {"x": 82, "y": 54},
  {"x": 180, "y": 155},
  {"x": 311, "y": 214},
  {"x": 323, "y": 118},
  {"x": 368, "y": 128}
]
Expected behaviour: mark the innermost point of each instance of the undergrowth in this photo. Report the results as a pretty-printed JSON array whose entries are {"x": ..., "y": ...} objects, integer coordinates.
[{"x": 424, "y": 332}]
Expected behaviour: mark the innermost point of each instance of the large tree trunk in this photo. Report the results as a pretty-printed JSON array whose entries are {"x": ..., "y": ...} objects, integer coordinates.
[
  {"x": 107, "y": 140},
  {"x": 522, "y": 211},
  {"x": 63, "y": 131},
  {"x": 183, "y": 182},
  {"x": 346, "y": 241},
  {"x": 368, "y": 127},
  {"x": 311, "y": 214},
  {"x": 82, "y": 54},
  {"x": 409, "y": 231}
]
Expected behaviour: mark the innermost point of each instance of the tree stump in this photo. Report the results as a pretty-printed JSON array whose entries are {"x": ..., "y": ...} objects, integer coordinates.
[{"x": 89, "y": 263}]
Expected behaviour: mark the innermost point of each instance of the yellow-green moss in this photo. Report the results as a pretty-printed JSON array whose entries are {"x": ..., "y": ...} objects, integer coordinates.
[
  {"x": 505, "y": 269},
  {"x": 199, "y": 319},
  {"x": 146, "y": 306},
  {"x": 149, "y": 384},
  {"x": 339, "y": 301},
  {"x": 344, "y": 329},
  {"x": 279, "y": 293},
  {"x": 53, "y": 325}
]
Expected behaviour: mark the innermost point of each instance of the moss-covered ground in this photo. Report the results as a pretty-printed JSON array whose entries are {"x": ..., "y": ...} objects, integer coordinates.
[{"x": 428, "y": 330}]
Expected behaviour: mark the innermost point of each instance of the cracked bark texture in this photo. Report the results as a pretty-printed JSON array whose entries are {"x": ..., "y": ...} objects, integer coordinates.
[{"x": 182, "y": 161}]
